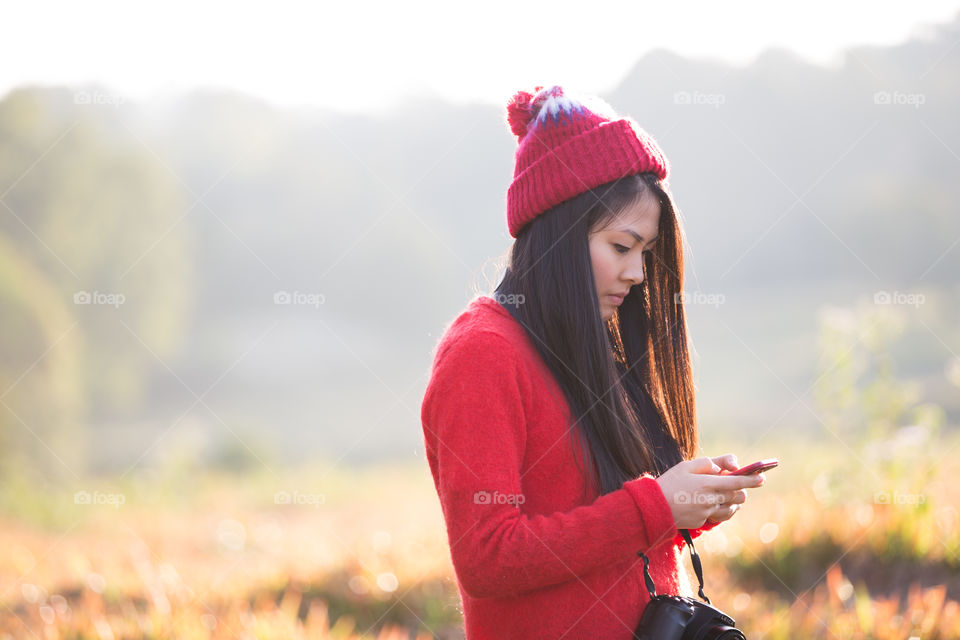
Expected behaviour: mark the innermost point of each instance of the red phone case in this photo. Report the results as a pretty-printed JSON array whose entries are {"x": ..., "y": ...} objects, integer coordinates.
[{"x": 756, "y": 467}]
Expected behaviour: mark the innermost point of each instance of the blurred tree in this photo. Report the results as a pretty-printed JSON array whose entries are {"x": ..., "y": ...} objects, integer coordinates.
[
  {"x": 94, "y": 215},
  {"x": 862, "y": 402},
  {"x": 40, "y": 385},
  {"x": 856, "y": 387}
]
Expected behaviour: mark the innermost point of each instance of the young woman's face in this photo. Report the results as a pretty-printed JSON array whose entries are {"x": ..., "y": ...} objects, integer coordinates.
[{"x": 617, "y": 254}]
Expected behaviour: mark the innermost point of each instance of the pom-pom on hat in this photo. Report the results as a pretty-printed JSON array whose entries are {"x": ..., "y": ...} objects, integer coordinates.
[{"x": 567, "y": 145}]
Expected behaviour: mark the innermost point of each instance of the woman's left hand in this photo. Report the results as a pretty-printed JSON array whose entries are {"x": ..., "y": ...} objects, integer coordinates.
[{"x": 728, "y": 463}]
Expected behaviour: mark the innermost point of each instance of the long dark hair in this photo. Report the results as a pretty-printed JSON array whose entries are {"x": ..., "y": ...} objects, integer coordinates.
[{"x": 628, "y": 381}]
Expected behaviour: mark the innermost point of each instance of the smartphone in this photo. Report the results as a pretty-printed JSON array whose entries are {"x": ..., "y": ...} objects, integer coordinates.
[{"x": 756, "y": 467}]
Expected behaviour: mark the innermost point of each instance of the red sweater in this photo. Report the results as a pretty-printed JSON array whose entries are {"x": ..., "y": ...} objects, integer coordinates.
[{"x": 532, "y": 558}]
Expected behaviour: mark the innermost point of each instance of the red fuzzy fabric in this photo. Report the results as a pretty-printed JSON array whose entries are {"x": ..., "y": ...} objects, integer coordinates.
[
  {"x": 520, "y": 113},
  {"x": 532, "y": 557}
]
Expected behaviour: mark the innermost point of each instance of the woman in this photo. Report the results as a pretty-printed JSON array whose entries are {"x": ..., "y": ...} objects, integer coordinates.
[{"x": 559, "y": 419}]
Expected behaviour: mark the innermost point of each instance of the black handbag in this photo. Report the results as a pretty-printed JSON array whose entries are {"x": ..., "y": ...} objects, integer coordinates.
[{"x": 679, "y": 618}]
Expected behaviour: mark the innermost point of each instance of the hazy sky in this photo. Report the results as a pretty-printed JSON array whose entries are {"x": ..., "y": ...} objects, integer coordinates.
[{"x": 364, "y": 55}]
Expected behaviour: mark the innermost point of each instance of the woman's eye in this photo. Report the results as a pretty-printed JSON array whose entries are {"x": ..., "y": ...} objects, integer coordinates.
[{"x": 620, "y": 246}]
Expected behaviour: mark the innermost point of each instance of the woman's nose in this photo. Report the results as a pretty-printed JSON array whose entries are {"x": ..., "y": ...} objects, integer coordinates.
[{"x": 634, "y": 275}]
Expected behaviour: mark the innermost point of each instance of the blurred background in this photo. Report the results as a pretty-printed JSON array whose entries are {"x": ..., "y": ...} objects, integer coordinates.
[{"x": 231, "y": 235}]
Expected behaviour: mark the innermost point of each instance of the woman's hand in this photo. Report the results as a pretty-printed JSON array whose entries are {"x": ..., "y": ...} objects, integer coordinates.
[
  {"x": 728, "y": 462},
  {"x": 698, "y": 490}
]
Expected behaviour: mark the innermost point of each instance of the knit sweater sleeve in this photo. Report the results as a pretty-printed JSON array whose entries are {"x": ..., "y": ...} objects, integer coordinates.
[{"x": 475, "y": 432}]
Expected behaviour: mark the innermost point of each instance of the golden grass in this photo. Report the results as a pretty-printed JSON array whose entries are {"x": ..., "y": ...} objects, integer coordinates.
[{"x": 217, "y": 557}]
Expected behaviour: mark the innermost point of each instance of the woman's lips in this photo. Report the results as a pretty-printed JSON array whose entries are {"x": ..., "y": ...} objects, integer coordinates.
[{"x": 616, "y": 299}]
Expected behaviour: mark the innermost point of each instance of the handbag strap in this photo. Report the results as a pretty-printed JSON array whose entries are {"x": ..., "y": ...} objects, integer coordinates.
[{"x": 694, "y": 557}]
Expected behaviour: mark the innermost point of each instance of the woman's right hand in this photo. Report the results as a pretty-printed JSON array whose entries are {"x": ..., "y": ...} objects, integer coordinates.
[{"x": 696, "y": 491}]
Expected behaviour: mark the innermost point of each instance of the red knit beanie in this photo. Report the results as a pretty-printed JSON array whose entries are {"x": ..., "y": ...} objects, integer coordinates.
[{"x": 568, "y": 145}]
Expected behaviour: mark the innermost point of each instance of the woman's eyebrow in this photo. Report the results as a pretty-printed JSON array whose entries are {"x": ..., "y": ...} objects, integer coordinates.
[{"x": 639, "y": 238}]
